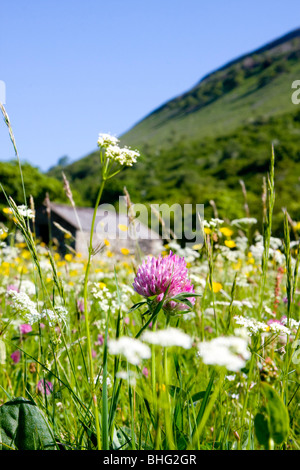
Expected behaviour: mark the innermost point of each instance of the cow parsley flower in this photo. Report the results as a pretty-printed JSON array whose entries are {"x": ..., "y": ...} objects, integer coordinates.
[
  {"x": 156, "y": 275},
  {"x": 231, "y": 352},
  {"x": 168, "y": 338}
]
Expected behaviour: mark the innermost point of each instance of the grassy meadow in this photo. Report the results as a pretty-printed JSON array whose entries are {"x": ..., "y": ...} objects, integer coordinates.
[{"x": 87, "y": 362}]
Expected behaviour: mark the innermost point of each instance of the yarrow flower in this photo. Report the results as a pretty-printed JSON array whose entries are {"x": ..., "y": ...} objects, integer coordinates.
[{"x": 157, "y": 275}]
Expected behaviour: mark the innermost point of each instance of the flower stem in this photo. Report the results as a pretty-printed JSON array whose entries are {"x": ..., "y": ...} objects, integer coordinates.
[{"x": 86, "y": 314}]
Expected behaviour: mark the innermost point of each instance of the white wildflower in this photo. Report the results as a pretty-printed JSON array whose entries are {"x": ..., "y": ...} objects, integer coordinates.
[
  {"x": 57, "y": 315},
  {"x": 294, "y": 324},
  {"x": 129, "y": 375},
  {"x": 123, "y": 156},
  {"x": 28, "y": 287},
  {"x": 244, "y": 221},
  {"x": 231, "y": 378},
  {"x": 231, "y": 352},
  {"x": 25, "y": 212},
  {"x": 131, "y": 348},
  {"x": 104, "y": 140},
  {"x": 279, "y": 328},
  {"x": 22, "y": 304},
  {"x": 252, "y": 325},
  {"x": 168, "y": 338}
]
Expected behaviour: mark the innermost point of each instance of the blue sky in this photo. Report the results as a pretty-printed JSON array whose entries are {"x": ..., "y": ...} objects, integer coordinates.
[{"x": 76, "y": 68}]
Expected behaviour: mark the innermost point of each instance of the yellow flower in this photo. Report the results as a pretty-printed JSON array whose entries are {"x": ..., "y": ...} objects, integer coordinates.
[
  {"x": 67, "y": 235},
  {"x": 106, "y": 242},
  {"x": 7, "y": 210},
  {"x": 217, "y": 286},
  {"x": 21, "y": 245},
  {"x": 125, "y": 251},
  {"x": 109, "y": 254},
  {"x": 68, "y": 257},
  {"x": 197, "y": 247},
  {"x": 297, "y": 226},
  {"x": 74, "y": 272},
  {"x": 123, "y": 228},
  {"x": 230, "y": 243},
  {"x": 226, "y": 231},
  {"x": 25, "y": 254},
  {"x": 237, "y": 266},
  {"x": 207, "y": 230},
  {"x": 102, "y": 285}
]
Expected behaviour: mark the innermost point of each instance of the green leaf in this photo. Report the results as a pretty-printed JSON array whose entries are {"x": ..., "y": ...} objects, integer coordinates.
[
  {"x": 277, "y": 414},
  {"x": 24, "y": 427},
  {"x": 261, "y": 426}
]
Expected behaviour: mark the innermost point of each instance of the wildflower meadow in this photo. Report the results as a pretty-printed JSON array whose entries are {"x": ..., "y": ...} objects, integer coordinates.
[{"x": 195, "y": 348}]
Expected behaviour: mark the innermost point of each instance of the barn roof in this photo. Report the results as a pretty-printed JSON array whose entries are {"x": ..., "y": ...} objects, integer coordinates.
[{"x": 85, "y": 215}]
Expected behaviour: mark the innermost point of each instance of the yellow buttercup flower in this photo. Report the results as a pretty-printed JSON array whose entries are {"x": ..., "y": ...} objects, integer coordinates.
[
  {"x": 123, "y": 228},
  {"x": 125, "y": 251},
  {"x": 207, "y": 230},
  {"x": 226, "y": 231},
  {"x": 217, "y": 286},
  {"x": 68, "y": 257},
  {"x": 230, "y": 243}
]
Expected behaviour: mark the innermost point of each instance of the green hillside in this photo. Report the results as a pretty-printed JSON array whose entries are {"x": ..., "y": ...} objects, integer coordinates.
[{"x": 198, "y": 146}]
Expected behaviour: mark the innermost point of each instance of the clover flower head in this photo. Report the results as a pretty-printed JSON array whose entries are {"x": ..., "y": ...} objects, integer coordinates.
[{"x": 155, "y": 276}]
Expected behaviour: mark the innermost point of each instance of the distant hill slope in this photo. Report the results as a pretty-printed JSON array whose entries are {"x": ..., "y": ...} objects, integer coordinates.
[
  {"x": 198, "y": 146},
  {"x": 256, "y": 84}
]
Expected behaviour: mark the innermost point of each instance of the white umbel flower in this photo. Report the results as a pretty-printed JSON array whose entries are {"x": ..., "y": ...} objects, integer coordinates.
[
  {"x": 26, "y": 212},
  {"x": 23, "y": 305},
  {"x": 131, "y": 348},
  {"x": 168, "y": 338},
  {"x": 105, "y": 140},
  {"x": 123, "y": 156},
  {"x": 230, "y": 351}
]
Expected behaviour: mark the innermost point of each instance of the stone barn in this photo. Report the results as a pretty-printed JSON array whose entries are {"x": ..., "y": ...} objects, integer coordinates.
[{"x": 64, "y": 225}]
